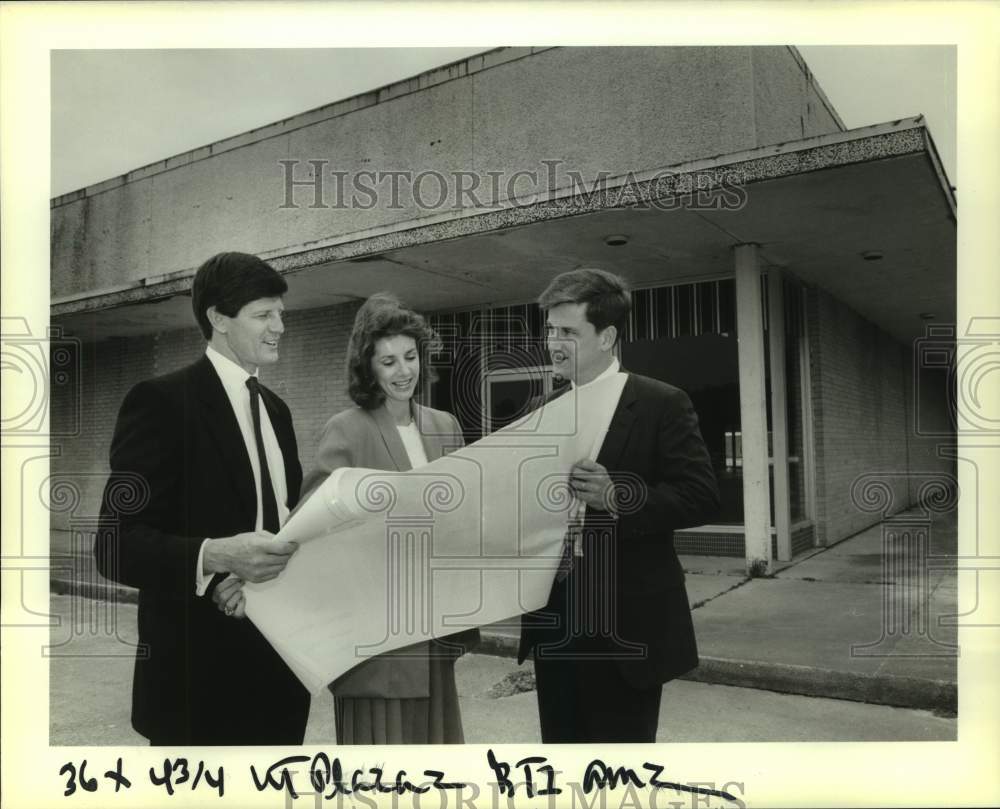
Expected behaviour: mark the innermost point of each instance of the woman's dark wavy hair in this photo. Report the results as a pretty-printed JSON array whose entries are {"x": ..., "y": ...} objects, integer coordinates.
[{"x": 383, "y": 315}]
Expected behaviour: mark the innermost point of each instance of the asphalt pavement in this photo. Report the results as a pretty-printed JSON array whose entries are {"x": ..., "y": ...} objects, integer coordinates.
[
  {"x": 91, "y": 676},
  {"x": 853, "y": 631}
]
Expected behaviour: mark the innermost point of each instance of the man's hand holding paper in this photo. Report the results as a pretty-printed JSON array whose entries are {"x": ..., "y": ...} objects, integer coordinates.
[
  {"x": 254, "y": 556},
  {"x": 591, "y": 483}
]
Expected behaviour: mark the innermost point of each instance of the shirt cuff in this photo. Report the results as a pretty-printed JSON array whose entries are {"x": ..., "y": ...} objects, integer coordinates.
[{"x": 201, "y": 579}]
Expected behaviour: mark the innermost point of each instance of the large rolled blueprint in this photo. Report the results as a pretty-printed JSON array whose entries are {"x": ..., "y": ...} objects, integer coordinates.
[{"x": 388, "y": 559}]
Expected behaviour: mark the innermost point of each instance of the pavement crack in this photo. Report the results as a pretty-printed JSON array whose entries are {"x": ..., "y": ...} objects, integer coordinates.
[
  {"x": 704, "y": 601},
  {"x": 837, "y": 581}
]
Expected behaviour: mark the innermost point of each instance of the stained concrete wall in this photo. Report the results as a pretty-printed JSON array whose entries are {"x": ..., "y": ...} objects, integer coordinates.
[
  {"x": 594, "y": 110},
  {"x": 788, "y": 103}
]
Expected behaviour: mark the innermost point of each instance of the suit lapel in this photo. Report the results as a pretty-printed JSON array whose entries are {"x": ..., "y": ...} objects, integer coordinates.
[
  {"x": 390, "y": 437},
  {"x": 431, "y": 433},
  {"x": 618, "y": 431},
  {"x": 221, "y": 424}
]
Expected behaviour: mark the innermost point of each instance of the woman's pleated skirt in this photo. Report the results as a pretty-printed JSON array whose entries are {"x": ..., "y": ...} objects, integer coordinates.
[{"x": 436, "y": 719}]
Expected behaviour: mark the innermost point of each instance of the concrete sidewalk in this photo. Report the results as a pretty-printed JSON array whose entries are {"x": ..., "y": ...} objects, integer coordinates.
[{"x": 871, "y": 619}]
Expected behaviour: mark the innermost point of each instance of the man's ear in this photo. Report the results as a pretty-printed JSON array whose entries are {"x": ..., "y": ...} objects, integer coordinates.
[
  {"x": 218, "y": 320},
  {"x": 608, "y": 337}
]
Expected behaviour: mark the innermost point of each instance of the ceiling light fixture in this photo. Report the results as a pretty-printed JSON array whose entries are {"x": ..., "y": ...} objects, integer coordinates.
[{"x": 616, "y": 240}]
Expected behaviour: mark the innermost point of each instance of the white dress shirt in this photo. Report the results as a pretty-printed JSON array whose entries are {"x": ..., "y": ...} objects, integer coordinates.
[
  {"x": 611, "y": 370},
  {"x": 234, "y": 381},
  {"x": 578, "y": 508}
]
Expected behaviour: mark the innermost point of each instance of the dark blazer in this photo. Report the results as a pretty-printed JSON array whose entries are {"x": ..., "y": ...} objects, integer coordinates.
[
  {"x": 654, "y": 450},
  {"x": 369, "y": 439},
  {"x": 180, "y": 473}
]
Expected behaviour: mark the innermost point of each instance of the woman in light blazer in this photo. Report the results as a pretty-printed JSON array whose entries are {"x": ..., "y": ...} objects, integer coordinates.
[{"x": 407, "y": 698}]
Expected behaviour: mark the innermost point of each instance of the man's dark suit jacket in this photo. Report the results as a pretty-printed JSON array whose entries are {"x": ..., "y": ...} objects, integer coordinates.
[
  {"x": 180, "y": 473},
  {"x": 654, "y": 449}
]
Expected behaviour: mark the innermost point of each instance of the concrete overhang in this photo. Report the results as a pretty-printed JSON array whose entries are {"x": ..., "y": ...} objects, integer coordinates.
[{"x": 867, "y": 215}]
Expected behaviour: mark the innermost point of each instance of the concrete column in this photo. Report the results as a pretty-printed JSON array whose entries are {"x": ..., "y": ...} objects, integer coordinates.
[
  {"x": 753, "y": 415},
  {"x": 808, "y": 437},
  {"x": 779, "y": 413}
]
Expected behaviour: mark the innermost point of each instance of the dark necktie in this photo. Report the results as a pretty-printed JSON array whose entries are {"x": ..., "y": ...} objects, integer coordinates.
[
  {"x": 572, "y": 548},
  {"x": 268, "y": 503}
]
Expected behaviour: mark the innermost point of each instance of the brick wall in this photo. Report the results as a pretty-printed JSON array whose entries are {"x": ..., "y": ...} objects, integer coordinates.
[
  {"x": 863, "y": 415},
  {"x": 82, "y": 417},
  {"x": 932, "y": 442},
  {"x": 309, "y": 377}
]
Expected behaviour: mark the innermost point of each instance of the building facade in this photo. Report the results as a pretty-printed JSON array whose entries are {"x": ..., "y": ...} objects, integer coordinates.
[{"x": 785, "y": 270}]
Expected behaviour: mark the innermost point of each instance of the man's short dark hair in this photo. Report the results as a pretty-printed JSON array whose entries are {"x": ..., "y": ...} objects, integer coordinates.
[
  {"x": 383, "y": 315},
  {"x": 606, "y": 295},
  {"x": 229, "y": 281}
]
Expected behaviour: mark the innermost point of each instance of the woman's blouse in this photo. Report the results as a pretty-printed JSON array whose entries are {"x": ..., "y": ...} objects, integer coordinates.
[{"x": 412, "y": 443}]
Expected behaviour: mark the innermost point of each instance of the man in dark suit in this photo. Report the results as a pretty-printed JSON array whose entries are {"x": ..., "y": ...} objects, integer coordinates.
[
  {"x": 204, "y": 468},
  {"x": 617, "y": 624}
]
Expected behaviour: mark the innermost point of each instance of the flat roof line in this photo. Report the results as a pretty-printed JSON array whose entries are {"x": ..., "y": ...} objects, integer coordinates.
[
  {"x": 894, "y": 138},
  {"x": 458, "y": 69}
]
